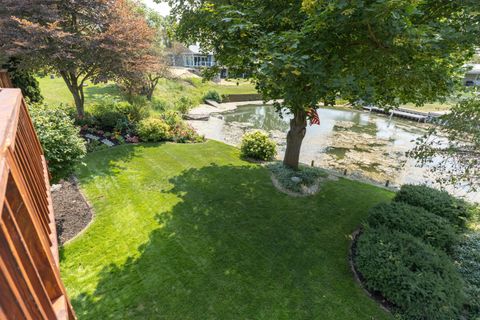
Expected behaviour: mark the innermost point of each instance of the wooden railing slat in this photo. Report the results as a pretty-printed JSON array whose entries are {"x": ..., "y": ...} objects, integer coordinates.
[{"x": 30, "y": 282}]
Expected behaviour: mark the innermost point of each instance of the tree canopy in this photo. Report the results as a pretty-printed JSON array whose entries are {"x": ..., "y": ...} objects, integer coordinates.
[
  {"x": 379, "y": 52},
  {"x": 453, "y": 148},
  {"x": 80, "y": 40}
]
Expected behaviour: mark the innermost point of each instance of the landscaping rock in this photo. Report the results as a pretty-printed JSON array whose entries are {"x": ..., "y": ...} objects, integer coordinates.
[
  {"x": 108, "y": 142},
  {"x": 92, "y": 137},
  {"x": 296, "y": 179}
]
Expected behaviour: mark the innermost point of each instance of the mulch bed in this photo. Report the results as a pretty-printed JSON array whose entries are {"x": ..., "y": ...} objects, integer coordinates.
[{"x": 72, "y": 211}]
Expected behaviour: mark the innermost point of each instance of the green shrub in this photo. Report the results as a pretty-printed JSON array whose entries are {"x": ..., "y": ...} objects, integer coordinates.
[
  {"x": 212, "y": 95},
  {"x": 160, "y": 105},
  {"x": 135, "y": 111},
  {"x": 257, "y": 145},
  {"x": 108, "y": 116},
  {"x": 284, "y": 175},
  {"x": 172, "y": 118},
  {"x": 62, "y": 145},
  {"x": 438, "y": 202},
  {"x": 467, "y": 260},
  {"x": 418, "y": 279},
  {"x": 184, "y": 104},
  {"x": 416, "y": 221},
  {"x": 153, "y": 130}
]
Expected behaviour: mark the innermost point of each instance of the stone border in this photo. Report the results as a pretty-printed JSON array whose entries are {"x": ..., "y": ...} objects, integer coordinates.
[
  {"x": 377, "y": 297},
  {"x": 90, "y": 207}
]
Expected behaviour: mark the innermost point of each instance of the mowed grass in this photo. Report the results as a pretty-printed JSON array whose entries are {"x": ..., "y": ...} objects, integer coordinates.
[
  {"x": 193, "y": 232},
  {"x": 56, "y": 92}
]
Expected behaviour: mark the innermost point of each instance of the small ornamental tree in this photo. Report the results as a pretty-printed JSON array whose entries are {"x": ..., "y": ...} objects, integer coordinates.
[
  {"x": 79, "y": 39},
  {"x": 308, "y": 51}
]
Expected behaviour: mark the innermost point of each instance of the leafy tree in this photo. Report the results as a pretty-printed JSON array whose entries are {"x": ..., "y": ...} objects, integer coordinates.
[
  {"x": 454, "y": 146},
  {"x": 25, "y": 80},
  {"x": 144, "y": 80},
  {"x": 377, "y": 51},
  {"x": 79, "y": 39}
]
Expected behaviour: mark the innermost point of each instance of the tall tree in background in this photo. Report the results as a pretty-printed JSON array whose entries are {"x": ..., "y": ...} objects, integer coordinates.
[
  {"x": 79, "y": 39},
  {"x": 377, "y": 51},
  {"x": 144, "y": 78}
]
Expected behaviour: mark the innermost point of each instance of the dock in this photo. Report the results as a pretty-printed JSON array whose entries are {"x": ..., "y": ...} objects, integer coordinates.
[{"x": 405, "y": 114}]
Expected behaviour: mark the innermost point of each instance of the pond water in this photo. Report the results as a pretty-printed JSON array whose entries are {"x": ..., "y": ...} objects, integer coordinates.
[{"x": 367, "y": 145}]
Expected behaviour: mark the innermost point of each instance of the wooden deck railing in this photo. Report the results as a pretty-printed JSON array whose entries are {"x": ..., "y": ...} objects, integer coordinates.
[{"x": 30, "y": 283}]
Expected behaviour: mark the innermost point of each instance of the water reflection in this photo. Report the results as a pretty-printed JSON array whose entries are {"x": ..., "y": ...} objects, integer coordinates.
[{"x": 364, "y": 144}]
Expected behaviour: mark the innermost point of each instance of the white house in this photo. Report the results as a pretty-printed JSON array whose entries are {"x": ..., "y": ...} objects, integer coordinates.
[
  {"x": 192, "y": 57},
  {"x": 472, "y": 77}
]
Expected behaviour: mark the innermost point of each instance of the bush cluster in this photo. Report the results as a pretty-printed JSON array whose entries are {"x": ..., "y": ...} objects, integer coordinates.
[
  {"x": 111, "y": 115},
  {"x": 467, "y": 260},
  {"x": 418, "y": 279},
  {"x": 213, "y": 95},
  {"x": 257, "y": 145},
  {"x": 432, "y": 229},
  {"x": 153, "y": 130},
  {"x": 438, "y": 202},
  {"x": 169, "y": 126},
  {"x": 410, "y": 253},
  {"x": 62, "y": 145},
  {"x": 184, "y": 104}
]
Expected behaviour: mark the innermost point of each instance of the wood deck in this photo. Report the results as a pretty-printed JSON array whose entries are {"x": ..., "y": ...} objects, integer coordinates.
[{"x": 30, "y": 283}]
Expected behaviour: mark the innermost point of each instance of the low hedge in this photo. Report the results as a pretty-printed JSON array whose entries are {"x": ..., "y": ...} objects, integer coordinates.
[
  {"x": 467, "y": 260},
  {"x": 416, "y": 221},
  {"x": 419, "y": 280},
  {"x": 438, "y": 202}
]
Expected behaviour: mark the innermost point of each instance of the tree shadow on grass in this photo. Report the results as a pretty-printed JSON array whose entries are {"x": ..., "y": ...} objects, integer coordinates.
[
  {"x": 110, "y": 162},
  {"x": 235, "y": 248}
]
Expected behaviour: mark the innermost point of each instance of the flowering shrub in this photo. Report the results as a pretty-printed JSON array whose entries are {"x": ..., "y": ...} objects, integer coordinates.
[
  {"x": 132, "y": 139},
  {"x": 60, "y": 139},
  {"x": 153, "y": 130},
  {"x": 183, "y": 133},
  {"x": 257, "y": 145}
]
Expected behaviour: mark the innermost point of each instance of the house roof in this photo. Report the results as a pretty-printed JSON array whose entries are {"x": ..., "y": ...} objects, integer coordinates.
[{"x": 195, "y": 49}]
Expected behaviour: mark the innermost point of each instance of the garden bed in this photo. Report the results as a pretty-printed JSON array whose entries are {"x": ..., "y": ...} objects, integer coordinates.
[{"x": 72, "y": 211}]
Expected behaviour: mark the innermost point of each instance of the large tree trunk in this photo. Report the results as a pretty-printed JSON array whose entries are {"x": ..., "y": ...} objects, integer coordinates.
[
  {"x": 295, "y": 137},
  {"x": 76, "y": 89},
  {"x": 79, "y": 102}
]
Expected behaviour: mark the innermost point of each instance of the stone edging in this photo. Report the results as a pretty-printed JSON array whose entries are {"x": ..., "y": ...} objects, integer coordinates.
[{"x": 380, "y": 301}]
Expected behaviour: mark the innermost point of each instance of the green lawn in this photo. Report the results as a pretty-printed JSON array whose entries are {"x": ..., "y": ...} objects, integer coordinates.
[
  {"x": 193, "y": 232},
  {"x": 55, "y": 91}
]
